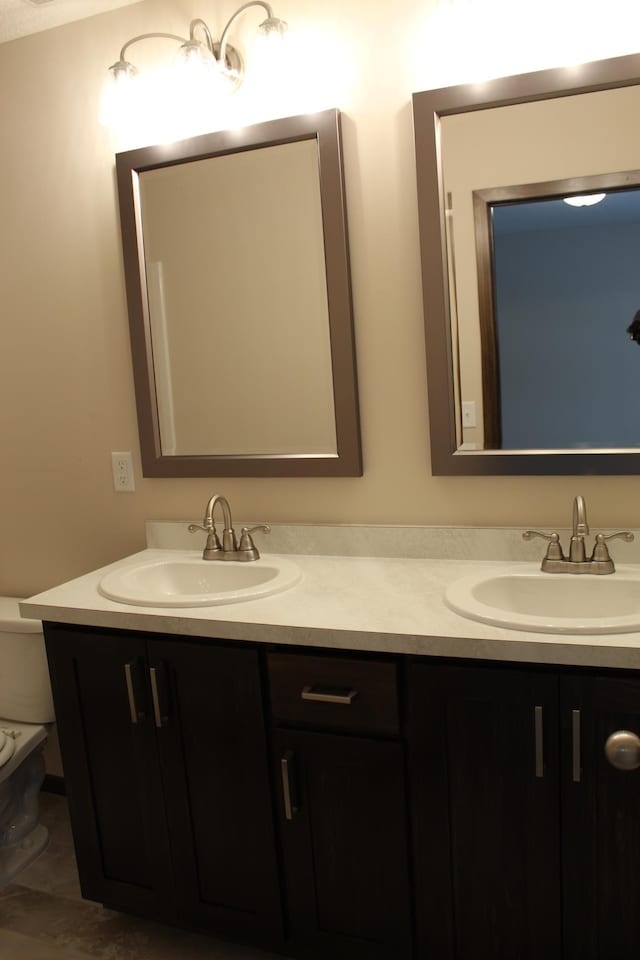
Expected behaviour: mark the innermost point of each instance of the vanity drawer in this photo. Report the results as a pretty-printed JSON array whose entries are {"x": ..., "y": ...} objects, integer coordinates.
[{"x": 331, "y": 693}]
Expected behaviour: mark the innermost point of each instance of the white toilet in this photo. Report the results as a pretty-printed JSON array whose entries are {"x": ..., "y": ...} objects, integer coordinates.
[{"x": 26, "y": 710}]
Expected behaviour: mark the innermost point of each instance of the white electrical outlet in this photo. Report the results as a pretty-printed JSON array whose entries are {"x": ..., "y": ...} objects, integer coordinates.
[
  {"x": 122, "y": 466},
  {"x": 468, "y": 413}
]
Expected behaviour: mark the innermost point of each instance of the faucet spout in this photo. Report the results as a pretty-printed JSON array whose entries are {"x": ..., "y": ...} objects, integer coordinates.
[
  {"x": 229, "y": 550},
  {"x": 580, "y": 525},
  {"x": 228, "y": 535},
  {"x": 226, "y": 510},
  {"x": 577, "y": 551}
]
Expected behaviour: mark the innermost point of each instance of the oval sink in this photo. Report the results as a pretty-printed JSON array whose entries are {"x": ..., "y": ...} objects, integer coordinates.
[
  {"x": 549, "y": 603},
  {"x": 193, "y": 582}
]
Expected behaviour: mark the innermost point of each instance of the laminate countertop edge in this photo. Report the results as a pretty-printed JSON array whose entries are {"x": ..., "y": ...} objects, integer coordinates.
[{"x": 385, "y": 605}]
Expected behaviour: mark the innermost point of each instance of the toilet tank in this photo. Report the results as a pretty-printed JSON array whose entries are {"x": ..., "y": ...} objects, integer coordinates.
[{"x": 25, "y": 690}]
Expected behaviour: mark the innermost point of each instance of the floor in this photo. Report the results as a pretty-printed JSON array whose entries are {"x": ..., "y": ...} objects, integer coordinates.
[{"x": 43, "y": 917}]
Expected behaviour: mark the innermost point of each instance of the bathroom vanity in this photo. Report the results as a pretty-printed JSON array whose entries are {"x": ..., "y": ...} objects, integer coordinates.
[{"x": 350, "y": 769}]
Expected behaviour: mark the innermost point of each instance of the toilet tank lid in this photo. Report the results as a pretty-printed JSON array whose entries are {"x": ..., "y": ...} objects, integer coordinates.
[{"x": 12, "y": 622}]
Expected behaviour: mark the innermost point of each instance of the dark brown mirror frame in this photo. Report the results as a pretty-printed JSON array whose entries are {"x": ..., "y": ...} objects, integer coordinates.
[
  {"x": 428, "y": 109},
  {"x": 324, "y": 127}
]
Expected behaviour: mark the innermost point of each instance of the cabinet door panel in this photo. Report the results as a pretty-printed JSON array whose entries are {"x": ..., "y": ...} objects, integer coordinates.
[
  {"x": 111, "y": 769},
  {"x": 601, "y": 821},
  {"x": 345, "y": 846},
  {"x": 216, "y": 772},
  {"x": 484, "y": 771}
]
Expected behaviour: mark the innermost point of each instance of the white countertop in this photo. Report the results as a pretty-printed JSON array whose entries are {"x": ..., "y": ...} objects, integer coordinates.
[{"x": 348, "y": 603}]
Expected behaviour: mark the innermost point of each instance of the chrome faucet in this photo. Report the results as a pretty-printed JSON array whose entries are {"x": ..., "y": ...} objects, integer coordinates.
[
  {"x": 600, "y": 562},
  {"x": 229, "y": 549}
]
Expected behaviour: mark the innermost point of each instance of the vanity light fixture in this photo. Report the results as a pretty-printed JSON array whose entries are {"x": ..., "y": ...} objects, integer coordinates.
[
  {"x": 217, "y": 61},
  {"x": 586, "y": 200}
]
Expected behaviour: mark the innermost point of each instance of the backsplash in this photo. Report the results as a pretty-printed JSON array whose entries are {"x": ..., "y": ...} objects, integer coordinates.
[{"x": 411, "y": 542}]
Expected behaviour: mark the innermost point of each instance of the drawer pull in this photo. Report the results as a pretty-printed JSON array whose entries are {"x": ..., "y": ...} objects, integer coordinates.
[
  {"x": 131, "y": 695},
  {"x": 539, "y": 728},
  {"x": 159, "y": 695},
  {"x": 576, "y": 768},
  {"x": 290, "y": 807},
  {"x": 327, "y": 696}
]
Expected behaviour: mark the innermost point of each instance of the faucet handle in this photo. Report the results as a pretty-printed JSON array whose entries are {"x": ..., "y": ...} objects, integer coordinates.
[
  {"x": 600, "y": 549},
  {"x": 554, "y": 550},
  {"x": 246, "y": 540},
  {"x": 213, "y": 543}
]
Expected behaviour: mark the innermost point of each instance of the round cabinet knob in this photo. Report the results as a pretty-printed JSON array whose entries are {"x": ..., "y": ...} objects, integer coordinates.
[{"x": 622, "y": 750}]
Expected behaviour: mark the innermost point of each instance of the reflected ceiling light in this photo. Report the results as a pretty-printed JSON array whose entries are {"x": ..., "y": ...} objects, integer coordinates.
[
  {"x": 199, "y": 55},
  {"x": 586, "y": 200}
]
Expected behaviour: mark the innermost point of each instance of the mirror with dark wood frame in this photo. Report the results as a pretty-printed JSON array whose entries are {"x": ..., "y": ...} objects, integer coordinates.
[
  {"x": 238, "y": 288},
  {"x": 512, "y": 136}
]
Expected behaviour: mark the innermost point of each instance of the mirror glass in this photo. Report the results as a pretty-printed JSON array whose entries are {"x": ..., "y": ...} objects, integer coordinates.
[
  {"x": 561, "y": 288},
  {"x": 528, "y": 303},
  {"x": 239, "y": 302}
]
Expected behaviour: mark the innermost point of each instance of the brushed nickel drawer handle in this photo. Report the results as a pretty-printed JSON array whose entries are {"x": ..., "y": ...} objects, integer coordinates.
[
  {"x": 159, "y": 694},
  {"x": 539, "y": 728},
  {"x": 576, "y": 767},
  {"x": 133, "y": 709},
  {"x": 320, "y": 696},
  {"x": 290, "y": 808}
]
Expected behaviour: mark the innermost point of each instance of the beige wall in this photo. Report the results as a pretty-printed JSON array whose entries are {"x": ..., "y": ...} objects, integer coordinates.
[{"x": 65, "y": 375}]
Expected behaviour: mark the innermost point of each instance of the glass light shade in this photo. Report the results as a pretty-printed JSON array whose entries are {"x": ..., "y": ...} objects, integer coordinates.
[
  {"x": 194, "y": 54},
  {"x": 586, "y": 200},
  {"x": 119, "y": 94},
  {"x": 273, "y": 28},
  {"x": 196, "y": 71},
  {"x": 270, "y": 52}
]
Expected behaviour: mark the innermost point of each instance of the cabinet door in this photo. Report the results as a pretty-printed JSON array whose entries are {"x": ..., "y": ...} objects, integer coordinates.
[
  {"x": 111, "y": 768},
  {"x": 344, "y": 838},
  {"x": 484, "y": 773},
  {"x": 215, "y": 762},
  {"x": 601, "y": 816}
]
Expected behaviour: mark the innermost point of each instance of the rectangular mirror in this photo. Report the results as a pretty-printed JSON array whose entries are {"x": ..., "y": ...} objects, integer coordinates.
[
  {"x": 527, "y": 299},
  {"x": 237, "y": 271}
]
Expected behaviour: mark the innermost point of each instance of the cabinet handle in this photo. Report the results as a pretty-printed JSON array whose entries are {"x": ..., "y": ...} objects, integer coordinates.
[
  {"x": 158, "y": 695},
  {"x": 576, "y": 749},
  {"x": 290, "y": 809},
  {"x": 622, "y": 750},
  {"x": 324, "y": 696},
  {"x": 539, "y": 728},
  {"x": 136, "y": 715}
]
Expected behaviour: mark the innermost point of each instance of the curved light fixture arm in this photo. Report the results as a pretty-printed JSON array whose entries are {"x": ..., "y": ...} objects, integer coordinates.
[
  {"x": 229, "y": 59},
  {"x": 205, "y": 29},
  {"x": 245, "y": 6},
  {"x": 150, "y": 36}
]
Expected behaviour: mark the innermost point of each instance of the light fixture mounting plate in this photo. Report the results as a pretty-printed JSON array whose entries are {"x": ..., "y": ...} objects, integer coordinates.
[{"x": 233, "y": 63}]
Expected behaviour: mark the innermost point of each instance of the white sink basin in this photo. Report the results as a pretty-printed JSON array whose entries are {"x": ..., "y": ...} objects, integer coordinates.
[
  {"x": 193, "y": 582},
  {"x": 528, "y": 599}
]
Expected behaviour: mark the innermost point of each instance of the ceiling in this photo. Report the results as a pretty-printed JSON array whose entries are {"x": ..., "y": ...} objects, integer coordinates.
[{"x": 21, "y": 17}]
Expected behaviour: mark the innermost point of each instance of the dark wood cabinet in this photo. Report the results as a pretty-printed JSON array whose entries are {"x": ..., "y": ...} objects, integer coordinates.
[
  {"x": 483, "y": 755},
  {"x": 342, "y": 807},
  {"x": 167, "y": 769},
  {"x": 601, "y": 820},
  {"x": 316, "y": 803},
  {"x": 112, "y": 770},
  {"x": 527, "y": 840}
]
